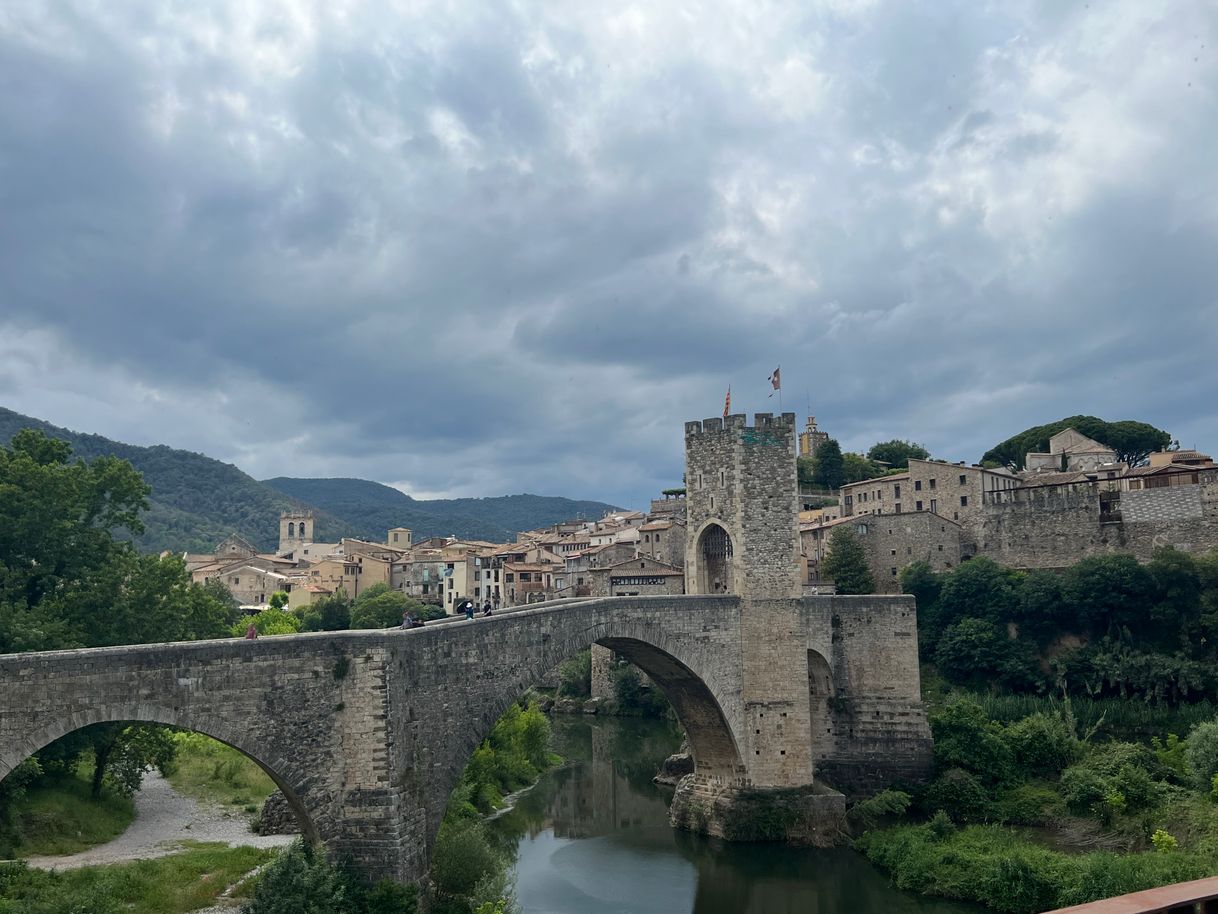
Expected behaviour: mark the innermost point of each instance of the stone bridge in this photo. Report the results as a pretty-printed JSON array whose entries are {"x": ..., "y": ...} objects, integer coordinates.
[{"x": 367, "y": 732}]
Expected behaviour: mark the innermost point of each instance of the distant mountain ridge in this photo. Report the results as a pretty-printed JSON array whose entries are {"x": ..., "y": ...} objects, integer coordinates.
[
  {"x": 197, "y": 500},
  {"x": 379, "y": 507}
]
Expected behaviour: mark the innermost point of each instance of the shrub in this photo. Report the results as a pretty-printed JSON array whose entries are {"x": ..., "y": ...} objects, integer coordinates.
[
  {"x": 462, "y": 858},
  {"x": 1202, "y": 753},
  {"x": 1042, "y": 744},
  {"x": 299, "y": 879},
  {"x": 1163, "y": 841},
  {"x": 575, "y": 675},
  {"x": 1112, "y": 769},
  {"x": 885, "y": 804},
  {"x": 1026, "y": 804},
  {"x": 1171, "y": 754},
  {"x": 960, "y": 795},
  {"x": 966, "y": 738}
]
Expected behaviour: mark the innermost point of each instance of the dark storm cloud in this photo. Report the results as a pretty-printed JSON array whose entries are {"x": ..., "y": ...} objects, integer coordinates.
[{"x": 482, "y": 250}]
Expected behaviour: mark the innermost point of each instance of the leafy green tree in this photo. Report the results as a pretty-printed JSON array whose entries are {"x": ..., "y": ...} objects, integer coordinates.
[
  {"x": 896, "y": 453},
  {"x": 1110, "y": 592},
  {"x": 922, "y": 582},
  {"x": 980, "y": 588},
  {"x": 971, "y": 651},
  {"x": 1177, "y": 607},
  {"x": 1132, "y": 441},
  {"x": 332, "y": 613},
  {"x": 278, "y": 600},
  {"x": 856, "y": 468},
  {"x": 267, "y": 622},
  {"x": 381, "y": 607},
  {"x": 846, "y": 564},
  {"x": 1201, "y": 752},
  {"x": 829, "y": 470},
  {"x": 805, "y": 470},
  {"x": 1042, "y": 611}
]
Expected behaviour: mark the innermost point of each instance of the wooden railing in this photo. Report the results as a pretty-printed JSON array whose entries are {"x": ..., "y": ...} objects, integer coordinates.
[{"x": 1197, "y": 897}]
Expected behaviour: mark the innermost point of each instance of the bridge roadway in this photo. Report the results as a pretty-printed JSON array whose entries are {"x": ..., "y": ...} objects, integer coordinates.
[{"x": 367, "y": 732}]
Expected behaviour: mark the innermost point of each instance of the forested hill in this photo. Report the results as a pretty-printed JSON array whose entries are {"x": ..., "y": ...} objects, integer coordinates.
[
  {"x": 196, "y": 500},
  {"x": 374, "y": 508}
]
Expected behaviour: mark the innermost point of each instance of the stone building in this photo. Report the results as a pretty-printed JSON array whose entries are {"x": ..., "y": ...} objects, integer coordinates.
[
  {"x": 811, "y": 438},
  {"x": 295, "y": 527},
  {"x": 952, "y": 490},
  {"x": 636, "y": 577}
]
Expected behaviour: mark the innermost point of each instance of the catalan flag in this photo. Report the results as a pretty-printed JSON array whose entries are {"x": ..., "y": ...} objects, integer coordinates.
[{"x": 727, "y": 402}]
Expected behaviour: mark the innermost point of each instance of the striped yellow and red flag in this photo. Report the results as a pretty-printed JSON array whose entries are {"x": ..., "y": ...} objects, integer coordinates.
[{"x": 727, "y": 402}]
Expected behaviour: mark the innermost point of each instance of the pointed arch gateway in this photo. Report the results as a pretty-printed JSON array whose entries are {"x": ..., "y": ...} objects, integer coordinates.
[{"x": 715, "y": 554}]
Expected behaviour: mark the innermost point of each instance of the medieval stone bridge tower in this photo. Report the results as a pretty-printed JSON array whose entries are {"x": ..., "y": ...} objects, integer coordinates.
[{"x": 368, "y": 732}]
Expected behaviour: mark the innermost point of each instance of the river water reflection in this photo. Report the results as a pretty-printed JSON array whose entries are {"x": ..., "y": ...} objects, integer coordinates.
[{"x": 593, "y": 838}]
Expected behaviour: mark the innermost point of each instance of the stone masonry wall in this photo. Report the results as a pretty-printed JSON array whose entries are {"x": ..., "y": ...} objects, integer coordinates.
[
  {"x": 876, "y": 729},
  {"x": 1055, "y": 527}
]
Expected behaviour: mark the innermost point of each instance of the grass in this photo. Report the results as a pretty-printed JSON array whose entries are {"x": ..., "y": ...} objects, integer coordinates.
[
  {"x": 60, "y": 816},
  {"x": 1115, "y": 718},
  {"x": 209, "y": 770},
  {"x": 176, "y": 884}
]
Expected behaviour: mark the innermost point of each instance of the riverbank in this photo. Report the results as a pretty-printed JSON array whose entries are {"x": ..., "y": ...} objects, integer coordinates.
[{"x": 1029, "y": 816}]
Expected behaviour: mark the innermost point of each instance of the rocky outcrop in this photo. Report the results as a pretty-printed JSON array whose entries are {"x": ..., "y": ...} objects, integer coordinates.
[{"x": 814, "y": 816}]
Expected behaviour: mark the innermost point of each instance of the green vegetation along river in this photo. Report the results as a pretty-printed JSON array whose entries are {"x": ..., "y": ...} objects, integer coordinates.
[{"x": 593, "y": 837}]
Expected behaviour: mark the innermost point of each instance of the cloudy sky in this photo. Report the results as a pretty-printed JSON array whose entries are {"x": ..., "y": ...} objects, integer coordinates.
[{"x": 482, "y": 248}]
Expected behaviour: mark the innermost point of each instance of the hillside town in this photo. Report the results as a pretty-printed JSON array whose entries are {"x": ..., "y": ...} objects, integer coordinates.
[{"x": 1075, "y": 499}]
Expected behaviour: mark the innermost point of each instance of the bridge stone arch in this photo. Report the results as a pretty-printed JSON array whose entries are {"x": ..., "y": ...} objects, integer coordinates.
[
  {"x": 369, "y": 731},
  {"x": 286, "y": 774},
  {"x": 699, "y": 675}
]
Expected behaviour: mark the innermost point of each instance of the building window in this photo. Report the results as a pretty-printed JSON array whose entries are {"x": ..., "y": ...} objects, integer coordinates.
[
  {"x": 934, "y": 504},
  {"x": 862, "y": 529},
  {"x": 657, "y": 537},
  {"x": 896, "y": 491},
  {"x": 940, "y": 547},
  {"x": 918, "y": 506},
  {"x": 721, "y": 480},
  {"x": 917, "y": 485},
  {"x": 894, "y": 572},
  {"x": 525, "y": 577},
  {"x": 909, "y": 550},
  {"x": 894, "y": 552},
  {"x": 964, "y": 501},
  {"x": 963, "y": 479},
  {"x": 898, "y": 507},
  {"x": 509, "y": 577}
]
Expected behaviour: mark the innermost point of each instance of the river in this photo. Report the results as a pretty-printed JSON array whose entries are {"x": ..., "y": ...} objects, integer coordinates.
[{"x": 593, "y": 838}]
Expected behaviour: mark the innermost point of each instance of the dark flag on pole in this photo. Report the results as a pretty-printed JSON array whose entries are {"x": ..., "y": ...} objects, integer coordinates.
[
  {"x": 776, "y": 380},
  {"x": 727, "y": 402}
]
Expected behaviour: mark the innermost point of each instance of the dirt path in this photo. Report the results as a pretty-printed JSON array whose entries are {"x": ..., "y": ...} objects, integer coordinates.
[{"x": 163, "y": 819}]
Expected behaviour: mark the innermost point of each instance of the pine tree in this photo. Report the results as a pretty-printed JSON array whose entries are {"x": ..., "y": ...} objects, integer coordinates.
[{"x": 846, "y": 564}]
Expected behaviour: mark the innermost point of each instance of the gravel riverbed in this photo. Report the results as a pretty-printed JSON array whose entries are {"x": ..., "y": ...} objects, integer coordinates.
[{"x": 164, "y": 819}]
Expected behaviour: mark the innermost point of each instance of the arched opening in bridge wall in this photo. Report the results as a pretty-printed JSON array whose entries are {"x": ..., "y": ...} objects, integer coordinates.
[
  {"x": 820, "y": 706},
  {"x": 711, "y": 742},
  {"x": 43, "y": 734},
  {"x": 715, "y": 559}
]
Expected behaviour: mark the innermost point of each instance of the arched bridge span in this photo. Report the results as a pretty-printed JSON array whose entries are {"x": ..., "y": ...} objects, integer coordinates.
[{"x": 367, "y": 732}]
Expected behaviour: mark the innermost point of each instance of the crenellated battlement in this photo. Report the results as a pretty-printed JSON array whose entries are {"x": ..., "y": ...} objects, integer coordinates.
[{"x": 739, "y": 421}]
